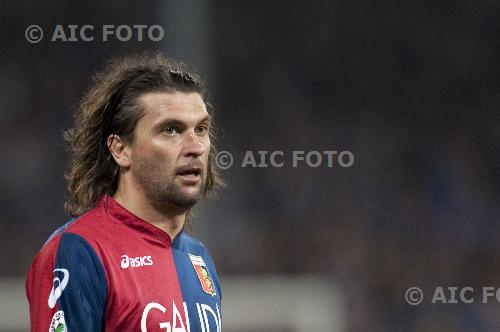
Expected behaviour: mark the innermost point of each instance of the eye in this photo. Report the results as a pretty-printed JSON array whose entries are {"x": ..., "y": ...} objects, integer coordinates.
[
  {"x": 201, "y": 130},
  {"x": 170, "y": 130}
]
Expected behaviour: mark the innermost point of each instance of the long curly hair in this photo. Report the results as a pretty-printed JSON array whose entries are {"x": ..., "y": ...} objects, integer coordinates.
[{"x": 109, "y": 107}]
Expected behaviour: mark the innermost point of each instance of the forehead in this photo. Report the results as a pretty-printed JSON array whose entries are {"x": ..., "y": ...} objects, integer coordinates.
[{"x": 182, "y": 106}]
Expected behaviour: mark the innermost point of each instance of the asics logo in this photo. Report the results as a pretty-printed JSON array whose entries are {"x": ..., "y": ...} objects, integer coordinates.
[
  {"x": 58, "y": 286},
  {"x": 135, "y": 261}
]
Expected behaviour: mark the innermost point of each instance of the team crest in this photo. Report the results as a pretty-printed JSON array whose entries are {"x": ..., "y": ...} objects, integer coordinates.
[
  {"x": 58, "y": 324},
  {"x": 201, "y": 270}
]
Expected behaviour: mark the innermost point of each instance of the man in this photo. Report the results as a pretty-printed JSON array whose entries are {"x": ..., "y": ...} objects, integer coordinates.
[{"x": 141, "y": 160}]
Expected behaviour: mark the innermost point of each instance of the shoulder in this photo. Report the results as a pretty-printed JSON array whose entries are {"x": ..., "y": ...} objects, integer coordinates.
[
  {"x": 194, "y": 247},
  {"x": 82, "y": 226},
  {"x": 68, "y": 242},
  {"x": 187, "y": 242},
  {"x": 67, "y": 251},
  {"x": 60, "y": 230},
  {"x": 74, "y": 238}
]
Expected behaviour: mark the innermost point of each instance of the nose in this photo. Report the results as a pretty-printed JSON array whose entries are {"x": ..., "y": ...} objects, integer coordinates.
[{"x": 193, "y": 146}]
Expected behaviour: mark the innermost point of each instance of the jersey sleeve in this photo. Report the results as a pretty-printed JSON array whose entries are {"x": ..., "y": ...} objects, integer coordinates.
[{"x": 66, "y": 286}]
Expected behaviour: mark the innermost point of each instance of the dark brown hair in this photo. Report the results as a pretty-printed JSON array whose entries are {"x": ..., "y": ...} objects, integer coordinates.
[{"x": 111, "y": 107}]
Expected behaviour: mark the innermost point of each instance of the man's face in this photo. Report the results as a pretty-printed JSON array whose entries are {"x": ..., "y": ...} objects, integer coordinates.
[{"x": 170, "y": 149}]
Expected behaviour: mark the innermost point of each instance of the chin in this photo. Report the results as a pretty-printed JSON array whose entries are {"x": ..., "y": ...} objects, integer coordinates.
[{"x": 186, "y": 198}]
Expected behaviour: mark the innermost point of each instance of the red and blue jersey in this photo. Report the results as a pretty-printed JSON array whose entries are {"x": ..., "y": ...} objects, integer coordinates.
[{"x": 108, "y": 270}]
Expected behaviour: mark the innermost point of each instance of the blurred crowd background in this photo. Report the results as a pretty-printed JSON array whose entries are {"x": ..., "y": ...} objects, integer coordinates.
[{"x": 412, "y": 89}]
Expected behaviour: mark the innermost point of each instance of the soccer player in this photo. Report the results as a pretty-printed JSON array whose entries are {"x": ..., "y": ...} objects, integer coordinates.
[{"x": 142, "y": 158}]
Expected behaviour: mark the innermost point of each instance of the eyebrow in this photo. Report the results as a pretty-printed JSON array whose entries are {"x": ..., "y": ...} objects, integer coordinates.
[{"x": 178, "y": 122}]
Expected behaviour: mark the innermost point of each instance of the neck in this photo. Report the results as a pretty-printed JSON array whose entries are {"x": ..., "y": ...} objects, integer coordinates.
[{"x": 170, "y": 221}]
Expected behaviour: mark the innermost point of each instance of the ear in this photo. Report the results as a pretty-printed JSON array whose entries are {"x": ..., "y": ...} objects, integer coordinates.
[{"x": 119, "y": 150}]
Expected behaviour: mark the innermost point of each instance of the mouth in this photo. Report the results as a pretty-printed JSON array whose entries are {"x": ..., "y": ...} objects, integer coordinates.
[{"x": 190, "y": 175}]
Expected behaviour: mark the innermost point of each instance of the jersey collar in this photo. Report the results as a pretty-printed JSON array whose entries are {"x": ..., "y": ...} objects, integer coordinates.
[{"x": 119, "y": 214}]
